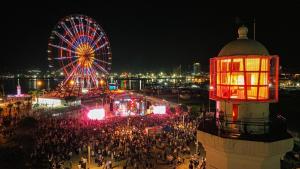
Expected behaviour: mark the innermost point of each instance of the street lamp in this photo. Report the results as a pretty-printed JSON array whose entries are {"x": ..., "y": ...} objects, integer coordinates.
[
  {"x": 39, "y": 83},
  {"x": 101, "y": 82},
  {"x": 89, "y": 155},
  {"x": 72, "y": 82}
]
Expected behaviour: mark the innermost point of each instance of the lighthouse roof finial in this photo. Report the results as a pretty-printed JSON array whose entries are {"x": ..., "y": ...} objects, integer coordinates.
[{"x": 243, "y": 31}]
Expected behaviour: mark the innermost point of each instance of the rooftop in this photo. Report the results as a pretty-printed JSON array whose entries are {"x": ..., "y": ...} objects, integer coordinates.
[{"x": 243, "y": 46}]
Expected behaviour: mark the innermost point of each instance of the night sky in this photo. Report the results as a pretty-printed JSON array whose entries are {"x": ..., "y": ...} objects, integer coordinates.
[{"x": 151, "y": 36}]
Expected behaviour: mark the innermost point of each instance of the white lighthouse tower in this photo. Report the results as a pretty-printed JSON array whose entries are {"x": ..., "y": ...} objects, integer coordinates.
[
  {"x": 18, "y": 88},
  {"x": 243, "y": 134}
]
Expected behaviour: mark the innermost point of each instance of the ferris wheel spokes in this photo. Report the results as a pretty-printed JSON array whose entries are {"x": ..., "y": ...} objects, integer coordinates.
[
  {"x": 62, "y": 48},
  {"x": 100, "y": 67},
  {"x": 71, "y": 74},
  {"x": 74, "y": 26},
  {"x": 81, "y": 26},
  {"x": 66, "y": 66},
  {"x": 65, "y": 57},
  {"x": 94, "y": 34},
  {"x": 102, "y": 61},
  {"x": 64, "y": 39},
  {"x": 88, "y": 28},
  {"x": 100, "y": 47},
  {"x": 97, "y": 40},
  {"x": 68, "y": 30},
  {"x": 92, "y": 75}
]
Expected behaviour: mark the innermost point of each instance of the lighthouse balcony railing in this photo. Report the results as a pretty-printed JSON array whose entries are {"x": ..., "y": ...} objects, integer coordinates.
[{"x": 272, "y": 130}]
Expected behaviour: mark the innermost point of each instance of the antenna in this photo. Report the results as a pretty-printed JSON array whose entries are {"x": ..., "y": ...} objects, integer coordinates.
[
  {"x": 180, "y": 70},
  {"x": 254, "y": 27}
]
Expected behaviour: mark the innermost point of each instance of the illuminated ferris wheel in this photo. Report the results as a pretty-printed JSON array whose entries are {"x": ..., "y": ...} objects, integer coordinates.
[{"x": 79, "y": 49}]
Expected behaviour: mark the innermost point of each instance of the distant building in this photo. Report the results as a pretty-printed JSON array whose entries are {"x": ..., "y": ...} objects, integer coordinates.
[
  {"x": 34, "y": 71},
  {"x": 196, "y": 68}
]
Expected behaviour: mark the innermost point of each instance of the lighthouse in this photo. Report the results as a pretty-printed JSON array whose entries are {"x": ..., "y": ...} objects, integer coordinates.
[
  {"x": 18, "y": 88},
  {"x": 243, "y": 133}
]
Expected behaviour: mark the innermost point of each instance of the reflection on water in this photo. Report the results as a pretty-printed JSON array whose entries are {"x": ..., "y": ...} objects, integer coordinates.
[{"x": 10, "y": 85}]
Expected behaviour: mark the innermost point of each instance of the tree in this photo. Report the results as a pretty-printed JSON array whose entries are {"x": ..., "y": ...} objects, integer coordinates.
[{"x": 35, "y": 94}]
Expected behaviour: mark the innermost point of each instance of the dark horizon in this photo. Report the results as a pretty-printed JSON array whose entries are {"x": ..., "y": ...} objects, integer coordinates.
[{"x": 149, "y": 36}]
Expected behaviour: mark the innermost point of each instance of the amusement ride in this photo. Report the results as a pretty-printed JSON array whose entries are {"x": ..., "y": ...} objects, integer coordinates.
[{"x": 79, "y": 50}]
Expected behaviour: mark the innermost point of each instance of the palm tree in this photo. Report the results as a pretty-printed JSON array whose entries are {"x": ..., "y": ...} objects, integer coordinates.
[
  {"x": 43, "y": 91},
  {"x": 35, "y": 94}
]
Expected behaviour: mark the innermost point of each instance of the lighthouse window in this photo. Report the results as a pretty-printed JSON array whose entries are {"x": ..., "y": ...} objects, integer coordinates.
[
  {"x": 252, "y": 64},
  {"x": 235, "y": 66},
  {"x": 244, "y": 77},
  {"x": 263, "y": 93},
  {"x": 264, "y": 64},
  {"x": 263, "y": 79}
]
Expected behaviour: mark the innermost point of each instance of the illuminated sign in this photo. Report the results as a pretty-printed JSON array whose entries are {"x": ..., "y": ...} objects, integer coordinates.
[
  {"x": 112, "y": 86},
  {"x": 159, "y": 109},
  {"x": 50, "y": 102}
]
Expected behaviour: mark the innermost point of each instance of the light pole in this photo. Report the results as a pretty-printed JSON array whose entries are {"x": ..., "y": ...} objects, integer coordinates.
[
  {"x": 89, "y": 156},
  {"x": 197, "y": 146}
]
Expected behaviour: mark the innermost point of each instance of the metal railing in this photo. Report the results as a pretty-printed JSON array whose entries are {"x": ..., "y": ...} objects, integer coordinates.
[{"x": 248, "y": 129}]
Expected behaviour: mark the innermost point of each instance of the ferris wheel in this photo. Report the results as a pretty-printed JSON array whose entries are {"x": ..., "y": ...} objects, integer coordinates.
[{"x": 79, "y": 49}]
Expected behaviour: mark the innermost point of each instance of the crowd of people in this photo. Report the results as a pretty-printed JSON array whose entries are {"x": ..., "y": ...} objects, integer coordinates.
[{"x": 119, "y": 141}]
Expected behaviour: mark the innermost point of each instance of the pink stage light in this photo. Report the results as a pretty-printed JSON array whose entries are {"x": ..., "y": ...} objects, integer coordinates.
[
  {"x": 159, "y": 109},
  {"x": 96, "y": 114}
]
